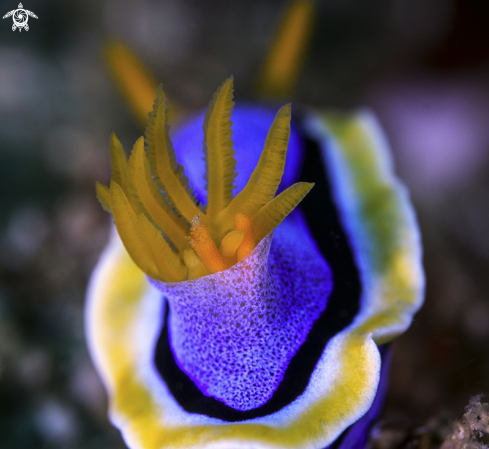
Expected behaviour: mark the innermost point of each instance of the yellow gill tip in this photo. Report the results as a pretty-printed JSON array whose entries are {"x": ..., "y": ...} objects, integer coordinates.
[
  {"x": 103, "y": 196},
  {"x": 167, "y": 262},
  {"x": 190, "y": 258},
  {"x": 219, "y": 151},
  {"x": 201, "y": 241},
  {"x": 230, "y": 243},
  {"x": 244, "y": 224},
  {"x": 135, "y": 82},
  {"x": 196, "y": 267},
  {"x": 235, "y": 226},
  {"x": 287, "y": 53}
]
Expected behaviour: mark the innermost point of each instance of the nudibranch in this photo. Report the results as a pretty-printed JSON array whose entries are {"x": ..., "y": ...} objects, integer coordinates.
[{"x": 224, "y": 315}]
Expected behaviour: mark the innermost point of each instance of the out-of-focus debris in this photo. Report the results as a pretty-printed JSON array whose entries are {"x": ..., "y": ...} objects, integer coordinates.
[
  {"x": 399, "y": 434},
  {"x": 472, "y": 431}
]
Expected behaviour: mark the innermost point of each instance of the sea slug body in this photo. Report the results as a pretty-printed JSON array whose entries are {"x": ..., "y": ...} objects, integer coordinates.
[{"x": 223, "y": 315}]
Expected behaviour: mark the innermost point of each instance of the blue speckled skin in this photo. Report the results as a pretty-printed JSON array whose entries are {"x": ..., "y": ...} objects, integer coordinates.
[
  {"x": 300, "y": 366},
  {"x": 220, "y": 359},
  {"x": 239, "y": 354},
  {"x": 235, "y": 332}
]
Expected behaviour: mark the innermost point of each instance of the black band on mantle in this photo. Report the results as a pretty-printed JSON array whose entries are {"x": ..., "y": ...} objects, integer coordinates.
[{"x": 323, "y": 219}]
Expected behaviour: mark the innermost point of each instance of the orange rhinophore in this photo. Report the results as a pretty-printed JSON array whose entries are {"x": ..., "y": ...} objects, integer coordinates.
[
  {"x": 244, "y": 224},
  {"x": 165, "y": 230},
  {"x": 201, "y": 241}
]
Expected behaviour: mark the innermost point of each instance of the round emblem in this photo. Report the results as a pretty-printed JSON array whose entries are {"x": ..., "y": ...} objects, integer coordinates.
[{"x": 20, "y": 18}]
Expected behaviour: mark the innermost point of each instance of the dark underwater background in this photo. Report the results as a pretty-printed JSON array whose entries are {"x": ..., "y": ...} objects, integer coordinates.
[{"x": 421, "y": 65}]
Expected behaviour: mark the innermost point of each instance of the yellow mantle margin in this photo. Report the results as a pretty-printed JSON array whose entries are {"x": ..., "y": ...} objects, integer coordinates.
[{"x": 121, "y": 303}]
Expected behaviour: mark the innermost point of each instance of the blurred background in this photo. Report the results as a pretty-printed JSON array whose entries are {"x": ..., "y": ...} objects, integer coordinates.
[{"x": 421, "y": 65}]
